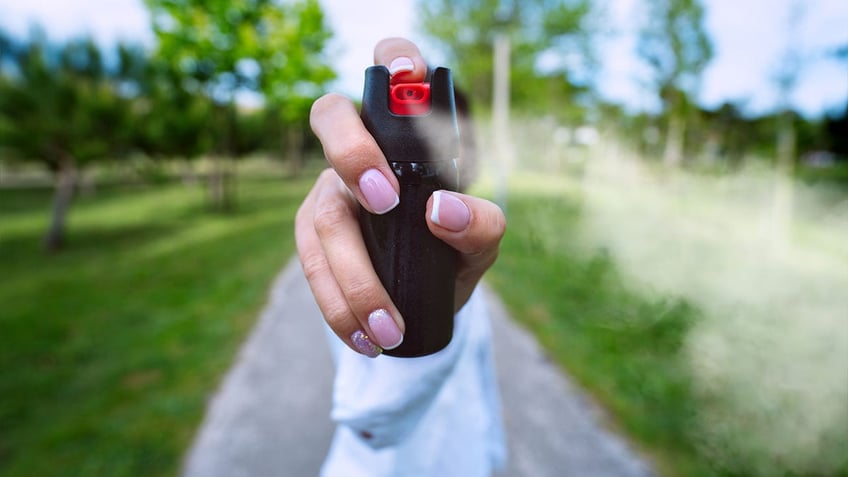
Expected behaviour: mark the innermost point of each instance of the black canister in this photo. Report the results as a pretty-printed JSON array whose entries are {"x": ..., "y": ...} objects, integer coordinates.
[{"x": 415, "y": 126}]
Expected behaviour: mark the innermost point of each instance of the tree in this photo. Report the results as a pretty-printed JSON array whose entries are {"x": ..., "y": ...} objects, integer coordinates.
[
  {"x": 61, "y": 106},
  {"x": 205, "y": 45},
  {"x": 223, "y": 47},
  {"x": 293, "y": 77},
  {"x": 786, "y": 79},
  {"x": 172, "y": 122},
  {"x": 732, "y": 132},
  {"x": 557, "y": 33},
  {"x": 675, "y": 45}
]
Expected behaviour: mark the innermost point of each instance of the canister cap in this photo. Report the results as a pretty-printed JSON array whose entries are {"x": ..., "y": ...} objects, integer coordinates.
[{"x": 410, "y": 99}]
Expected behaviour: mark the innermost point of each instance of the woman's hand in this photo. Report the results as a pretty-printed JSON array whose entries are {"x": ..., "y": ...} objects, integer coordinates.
[{"x": 329, "y": 241}]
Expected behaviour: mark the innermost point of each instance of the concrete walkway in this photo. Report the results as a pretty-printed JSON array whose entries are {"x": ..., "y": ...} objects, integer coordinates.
[{"x": 264, "y": 421}]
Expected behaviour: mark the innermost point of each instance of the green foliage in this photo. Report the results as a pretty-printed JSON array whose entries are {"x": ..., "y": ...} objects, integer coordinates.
[
  {"x": 294, "y": 69},
  {"x": 110, "y": 350},
  {"x": 639, "y": 348},
  {"x": 556, "y": 33},
  {"x": 62, "y": 103},
  {"x": 624, "y": 347},
  {"x": 835, "y": 175},
  {"x": 220, "y": 47},
  {"x": 63, "y": 106},
  {"x": 836, "y": 126},
  {"x": 205, "y": 41},
  {"x": 674, "y": 43},
  {"x": 67, "y": 105},
  {"x": 170, "y": 120}
]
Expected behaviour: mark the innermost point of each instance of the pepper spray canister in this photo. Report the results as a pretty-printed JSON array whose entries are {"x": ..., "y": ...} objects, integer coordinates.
[{"x": 415, "y": 126}]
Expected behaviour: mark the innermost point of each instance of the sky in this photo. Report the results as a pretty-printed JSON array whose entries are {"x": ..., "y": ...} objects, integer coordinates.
[{"x": 749, "y": 37}]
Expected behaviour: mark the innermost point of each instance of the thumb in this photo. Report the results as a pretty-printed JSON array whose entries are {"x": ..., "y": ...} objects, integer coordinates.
[{"x": 471, "y": 225}]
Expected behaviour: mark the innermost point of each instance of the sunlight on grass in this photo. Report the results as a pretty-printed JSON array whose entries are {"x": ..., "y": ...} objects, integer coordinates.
[{"x": 111, "y": 347}]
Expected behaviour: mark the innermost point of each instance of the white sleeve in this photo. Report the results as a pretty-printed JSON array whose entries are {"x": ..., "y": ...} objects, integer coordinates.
[{"x": 383, "y": 399}]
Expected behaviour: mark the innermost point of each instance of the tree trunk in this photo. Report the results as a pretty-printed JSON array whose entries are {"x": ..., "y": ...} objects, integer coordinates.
[
  {"x": 63, "y": 194},
  {"x": 783, "y": 188},
  {"x": 229, "y": 184},
  {"x": 189, "y": 177},
  {"x": 216, "y": 183},
  {"x": 222, "y": 184},
  {"x": 673, "y": 154}
]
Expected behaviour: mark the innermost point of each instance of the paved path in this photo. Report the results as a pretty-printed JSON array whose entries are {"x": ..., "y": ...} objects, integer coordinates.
[{"x": 265, "y": 422}]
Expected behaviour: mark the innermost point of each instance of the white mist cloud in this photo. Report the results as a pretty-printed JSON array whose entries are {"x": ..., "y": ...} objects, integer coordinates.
[{"x": 770, "y": 355}]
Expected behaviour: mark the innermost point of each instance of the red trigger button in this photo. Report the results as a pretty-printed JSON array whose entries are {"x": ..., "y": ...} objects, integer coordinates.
[{"x": 409, "y": 99}]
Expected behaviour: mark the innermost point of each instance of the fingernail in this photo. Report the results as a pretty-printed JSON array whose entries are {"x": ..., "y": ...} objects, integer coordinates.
[
  {"x": 401, "y": 64},
  {"x": 364, "y": 344},
  {"x": 449, "y": 212},
  {"x": 378, "y": 191},
  {"x": 385, "y": 329}
]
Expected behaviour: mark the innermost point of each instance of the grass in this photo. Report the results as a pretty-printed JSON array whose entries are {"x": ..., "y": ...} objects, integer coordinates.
[
  {"x": 621, "y": 346},
  {"x": 631, "y": 345},
  {"x": 111, "y": 348}
]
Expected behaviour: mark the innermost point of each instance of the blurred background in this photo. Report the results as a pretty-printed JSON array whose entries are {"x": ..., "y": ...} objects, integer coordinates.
[{"x": 674, "y": 172}]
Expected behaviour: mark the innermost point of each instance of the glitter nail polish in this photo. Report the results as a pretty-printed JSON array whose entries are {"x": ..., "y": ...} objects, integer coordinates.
[{"x": 364, "y": 345}]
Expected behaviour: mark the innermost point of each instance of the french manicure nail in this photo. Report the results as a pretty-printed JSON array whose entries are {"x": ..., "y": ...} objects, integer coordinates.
[
  {"x": 385, "y": 329},
  {"x": 378, "y": 192},
  {"x": 449, "y": 212},
  {"x": 401, "y": 64},
  {"x": 364, "y": 345}
]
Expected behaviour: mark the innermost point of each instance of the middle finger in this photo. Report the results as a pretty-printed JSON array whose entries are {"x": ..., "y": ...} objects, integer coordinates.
[{"x": 341, "y": 239}]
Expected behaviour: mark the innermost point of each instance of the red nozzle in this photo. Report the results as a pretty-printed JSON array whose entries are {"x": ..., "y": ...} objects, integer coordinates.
[{"x": 409, "y": 99}]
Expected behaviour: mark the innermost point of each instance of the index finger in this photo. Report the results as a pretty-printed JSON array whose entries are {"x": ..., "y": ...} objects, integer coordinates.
[{"x": 353, "y": 153}]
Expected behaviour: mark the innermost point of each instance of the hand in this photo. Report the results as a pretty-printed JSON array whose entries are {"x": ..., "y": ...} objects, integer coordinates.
[{"x": 329, "y": 242}]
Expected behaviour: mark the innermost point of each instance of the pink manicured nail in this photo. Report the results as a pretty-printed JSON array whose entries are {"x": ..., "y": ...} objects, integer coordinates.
[
  {"x": 378, "y": 191},
  {"x": 401, "y": 64},
  {"x": 385, "y": 329},
  {"x": 449, "y": 212},
  {"x": 364, "y": 344}
]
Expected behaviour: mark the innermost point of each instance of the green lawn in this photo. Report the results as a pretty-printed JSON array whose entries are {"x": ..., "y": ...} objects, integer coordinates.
[
  {"x": 714, "y": 354},
  {"x": 621, "y": 346},
  {"x": 111, "y": 348}
]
